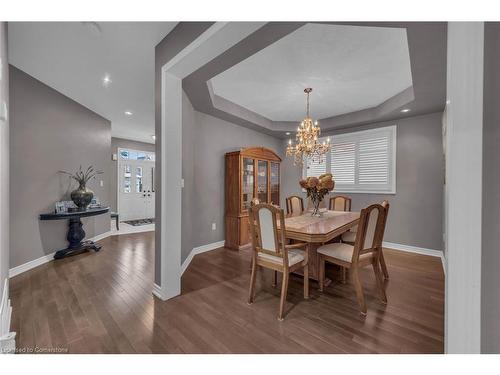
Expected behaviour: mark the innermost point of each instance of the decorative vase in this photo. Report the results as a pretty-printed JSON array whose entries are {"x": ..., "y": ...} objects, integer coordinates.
[
  {"x": 82, "y": 196},
  {"x": 316, "y": 211}
]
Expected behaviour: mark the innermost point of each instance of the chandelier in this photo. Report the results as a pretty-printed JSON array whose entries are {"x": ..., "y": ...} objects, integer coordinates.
[{"x": 307, "y": 146}]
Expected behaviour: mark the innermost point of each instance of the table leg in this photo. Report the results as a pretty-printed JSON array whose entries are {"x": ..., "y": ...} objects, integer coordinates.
[
  {"x": 313, "y": 263},
  {"x": 75, "y": 236}
]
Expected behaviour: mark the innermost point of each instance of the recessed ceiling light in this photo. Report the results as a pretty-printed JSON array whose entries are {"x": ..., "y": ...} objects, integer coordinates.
[
  {"x": 154, "y": 137},
  {"x": 405, "y": 110},
  {"x": 106, "y": 80},
  {"x": 287, "y": 133},
  {"x": 128, "y": 113}
]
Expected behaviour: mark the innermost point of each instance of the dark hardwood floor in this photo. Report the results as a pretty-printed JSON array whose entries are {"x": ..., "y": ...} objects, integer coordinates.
[{"x": 102, "y": 303}]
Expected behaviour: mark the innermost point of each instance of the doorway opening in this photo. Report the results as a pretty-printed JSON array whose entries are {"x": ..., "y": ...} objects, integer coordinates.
[{"x": 135, "y": 191}]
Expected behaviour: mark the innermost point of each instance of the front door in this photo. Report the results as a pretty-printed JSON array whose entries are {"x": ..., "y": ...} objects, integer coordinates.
[
  {"x": 149, "y": 190},
  {"x": 136, "y": 189}
]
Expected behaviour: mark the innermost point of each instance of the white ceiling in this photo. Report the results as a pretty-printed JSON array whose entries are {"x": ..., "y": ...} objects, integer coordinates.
[
  {"x": 73, "y": 58},
  {"x": 350, "y": 68}
]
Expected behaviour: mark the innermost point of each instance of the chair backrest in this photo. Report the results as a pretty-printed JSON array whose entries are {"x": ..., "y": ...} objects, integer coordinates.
[
  {"x": 340, "y": 203},
  {"x": 310, "y": 205},
  {"x": 294, "y": 205},
  {"x": 370, "y": 231},
  {"x": 263, "y": 220},
  {"x": 386, "y": 205}
]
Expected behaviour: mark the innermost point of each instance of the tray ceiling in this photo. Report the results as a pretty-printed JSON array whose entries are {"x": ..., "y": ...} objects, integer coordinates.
[{"x": 350, "y": 68}]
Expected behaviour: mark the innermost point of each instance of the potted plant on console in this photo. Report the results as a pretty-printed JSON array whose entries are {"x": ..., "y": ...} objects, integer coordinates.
[{"x": 83, "y": 195}]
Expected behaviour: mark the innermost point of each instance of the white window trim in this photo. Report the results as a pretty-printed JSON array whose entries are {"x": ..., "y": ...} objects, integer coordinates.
[{"x": 356, "y": 135}]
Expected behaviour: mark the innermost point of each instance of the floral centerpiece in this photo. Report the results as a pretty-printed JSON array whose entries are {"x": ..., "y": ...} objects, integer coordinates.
[
  {"x": 317, "y": 188},
  {"x": 82, "y": 196}
]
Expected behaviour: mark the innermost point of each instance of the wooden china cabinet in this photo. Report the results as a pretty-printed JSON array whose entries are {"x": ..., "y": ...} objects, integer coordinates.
[{"x": 250, "y": 172}]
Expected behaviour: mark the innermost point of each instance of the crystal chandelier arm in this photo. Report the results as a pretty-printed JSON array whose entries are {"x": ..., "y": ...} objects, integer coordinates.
[{"x": 307, "y": 146}]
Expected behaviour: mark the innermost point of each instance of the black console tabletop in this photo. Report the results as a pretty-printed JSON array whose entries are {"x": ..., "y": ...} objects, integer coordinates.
[
  {"x": 73, "y": 214},
  {"x": 75, "y": 232}
]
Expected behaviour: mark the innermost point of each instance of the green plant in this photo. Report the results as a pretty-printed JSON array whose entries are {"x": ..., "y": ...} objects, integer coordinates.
[{"x": 83, "y": 177}]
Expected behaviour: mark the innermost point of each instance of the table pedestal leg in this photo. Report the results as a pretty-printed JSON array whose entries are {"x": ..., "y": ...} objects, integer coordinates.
[
  {"x": 75, "y": 236},
  {"x": 314, "y": 264}
]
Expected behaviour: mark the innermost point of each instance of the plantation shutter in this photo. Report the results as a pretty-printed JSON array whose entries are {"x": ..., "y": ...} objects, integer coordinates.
[
  {"x": 316, "y": 169},
  {"x": 374, "y": 161},
  {"x": 364, "y": 161},
  {"x": 343, "y": 162}
]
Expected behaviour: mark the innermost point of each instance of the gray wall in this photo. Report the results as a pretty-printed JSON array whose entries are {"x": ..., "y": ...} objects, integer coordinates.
[
  {"x": 4, "y": 162},
  {"x": 416, "y": 213},
  {"x": 206, "y": 139},
  {"x": 122, "y": 143},
  {"x": 50, "y": 132},
  {"x": 490, "y": 277},
  {"x": 179, "y": 38}
]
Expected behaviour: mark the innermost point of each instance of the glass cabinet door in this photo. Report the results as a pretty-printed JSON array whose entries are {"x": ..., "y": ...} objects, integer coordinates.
[
  {"x": 247, "y": 184},
  {"x": 275, "y": 183},
  {"x": 262, "y": 181}
]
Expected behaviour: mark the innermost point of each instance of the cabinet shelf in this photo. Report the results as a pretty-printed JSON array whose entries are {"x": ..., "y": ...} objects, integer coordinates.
[{"x": 250, "y": 172}]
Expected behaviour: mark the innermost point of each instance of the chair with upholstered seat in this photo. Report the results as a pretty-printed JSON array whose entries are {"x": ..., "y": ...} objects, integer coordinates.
[
  {"x": 340, "y": 203},
  {"x": 294, "y": 205},
  {"x": 350, "y": 237},
  {"x": 271, "y": 251},
  {"x": 364, "y": 252}
]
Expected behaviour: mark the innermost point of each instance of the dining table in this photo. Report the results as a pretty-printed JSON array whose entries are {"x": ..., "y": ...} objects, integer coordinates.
[{"x": 318, "y": 230}]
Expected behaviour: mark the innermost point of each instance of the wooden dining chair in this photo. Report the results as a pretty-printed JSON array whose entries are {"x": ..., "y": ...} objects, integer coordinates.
[
  {"x": 386, "y": 205},
  {"x": 364, "y": 252},
  {"x": 271, "y": 251},
  {"x": 350, "y": 237},
  {"x": 294, "y": 205},
  {"x": 254, "y": 202},
  {"x": 340, "y": 203}
]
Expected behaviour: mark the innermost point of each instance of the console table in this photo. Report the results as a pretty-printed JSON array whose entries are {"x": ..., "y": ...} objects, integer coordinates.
[{"x": 75, "y": 232}]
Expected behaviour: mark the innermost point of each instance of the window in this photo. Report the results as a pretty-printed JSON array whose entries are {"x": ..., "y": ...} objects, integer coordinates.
[
  {"x": 127, "y": 177},
  {"x": 343, "y": 157},
  {"x": 136, "y": 155},
  {"x": 138, "y": 180},
  {"x": 362, "y": 161},
  {"x": 124, "y": 154},
  {"x": 315, "y": 168}
]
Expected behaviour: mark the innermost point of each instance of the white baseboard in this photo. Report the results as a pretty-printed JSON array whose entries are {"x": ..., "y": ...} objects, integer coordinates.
[
  {"x": 30, "y": 265},
  {"x": 389, "y": 245},
  {"x": 158, "y": 292},
  {"x": 132, "y": 230},
  {"x": 101, "y": 236},
  {"x": 413, "y": 249},
  {"x": 417, "y": 250},
  {"x": 47, "y": 258},
  {"x": 5, "y": 309},
  {"x": 7, "y": 338},
  {"x": 199, "y": 250}
]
